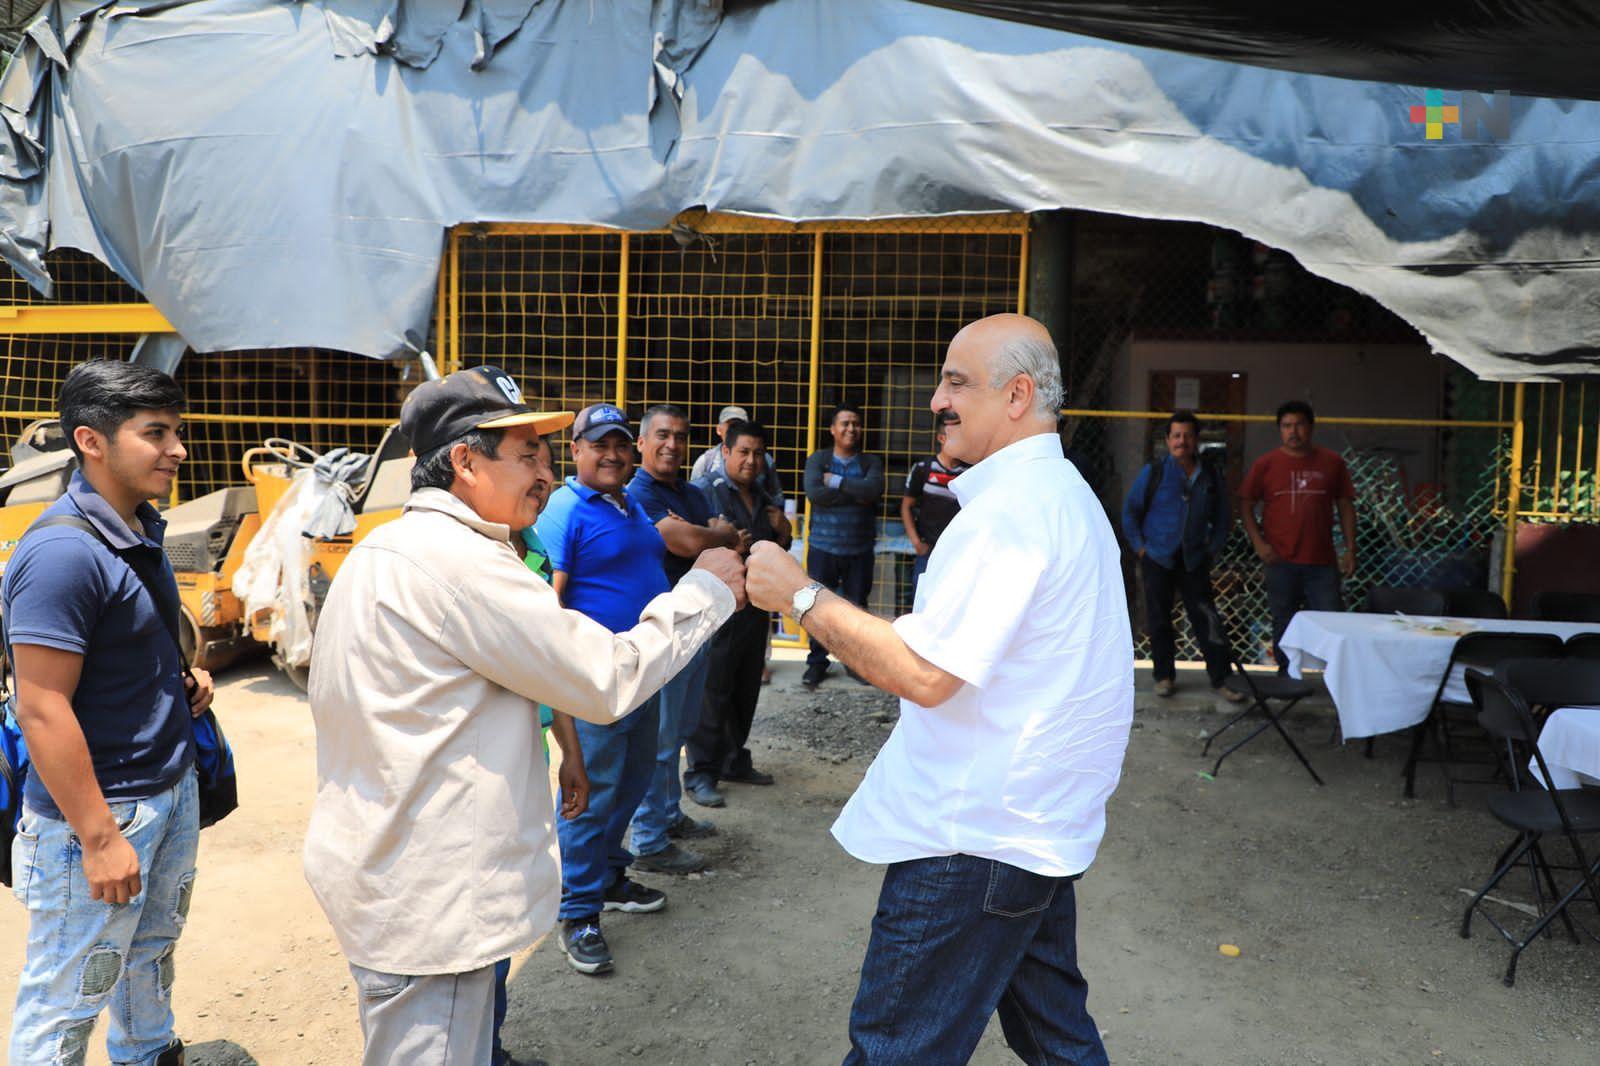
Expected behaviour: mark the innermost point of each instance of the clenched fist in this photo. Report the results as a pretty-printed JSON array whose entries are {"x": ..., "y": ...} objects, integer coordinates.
[
  {"x": 772, "y": 577},
  {"x": 725, "y": 565}
]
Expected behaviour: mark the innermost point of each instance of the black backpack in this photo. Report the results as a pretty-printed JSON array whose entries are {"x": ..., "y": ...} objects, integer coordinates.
[{"x": 1158, "y": 469}]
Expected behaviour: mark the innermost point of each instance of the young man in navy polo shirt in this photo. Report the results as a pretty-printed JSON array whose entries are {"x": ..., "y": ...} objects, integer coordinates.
[
  {"x": 104, "y": 858},
  {"x": 688, "y": 527},
  {"x": 608, "y": 565}
]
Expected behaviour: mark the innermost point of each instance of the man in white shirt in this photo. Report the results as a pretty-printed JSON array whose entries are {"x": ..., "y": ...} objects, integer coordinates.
[
  {"x": 1015, "y": 672},
  {"x": 432, "y": 845}
]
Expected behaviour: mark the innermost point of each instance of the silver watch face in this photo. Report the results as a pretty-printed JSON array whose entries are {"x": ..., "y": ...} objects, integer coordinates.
[{"x": 804, "y": 600}]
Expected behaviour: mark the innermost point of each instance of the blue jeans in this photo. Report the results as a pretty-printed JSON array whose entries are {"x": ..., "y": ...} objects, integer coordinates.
[
  {"x": 848, "y": 575},
  {"x": 502, "y": 973},
  {"x": 84, "y": 954},
  {"x": 620, "y": 760},
  {"x": 919, "y": 566},
  {"x": 680, "y": 701},
  {"x": 957, "y": 938},
  {"x": 1293, "y": 586}
]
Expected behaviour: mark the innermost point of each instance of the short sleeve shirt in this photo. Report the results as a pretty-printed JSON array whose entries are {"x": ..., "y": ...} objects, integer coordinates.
[
  {"x": 609, "y": 550},
  {"x": 658, "y": 500},
  {"x": 65, "y": 589},
  {"x": 1297, "y": 495},
  {"x": 929, "y": 484},
  {"x": 1023, "y": 601},
  {"x": 724, "y": 496}
]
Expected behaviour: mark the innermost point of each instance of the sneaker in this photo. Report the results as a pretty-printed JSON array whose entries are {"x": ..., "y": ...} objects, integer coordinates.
[
  {"x": 584, "y": 945},
  {"x": 671, "y": 860},
  {"x": 748, "y": 775},
  {"x": 685, "y": 828},
  {"x": 1232, "y": 695},
  {"x": 813, "y": 676},
  {"x": 1166, "y": 687},
  {"x": 633, "y": 898},
  {"x": 704, "y": 793}
]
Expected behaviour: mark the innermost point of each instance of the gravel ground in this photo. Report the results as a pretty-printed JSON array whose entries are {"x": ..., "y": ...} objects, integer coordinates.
[{"x": 1344, "y": 901}]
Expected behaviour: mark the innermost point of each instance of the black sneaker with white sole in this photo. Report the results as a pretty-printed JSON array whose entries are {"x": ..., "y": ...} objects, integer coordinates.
[
  {"x": 584, "y": 945},
  {"x": 633, "y": 898}
]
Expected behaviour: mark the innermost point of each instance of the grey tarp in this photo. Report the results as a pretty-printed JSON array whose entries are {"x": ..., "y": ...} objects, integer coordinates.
[{"x": 276, "y": 174}]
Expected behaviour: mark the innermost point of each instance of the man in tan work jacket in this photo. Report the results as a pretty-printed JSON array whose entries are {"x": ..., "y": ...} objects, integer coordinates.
[{"x": 431, "y": 845}]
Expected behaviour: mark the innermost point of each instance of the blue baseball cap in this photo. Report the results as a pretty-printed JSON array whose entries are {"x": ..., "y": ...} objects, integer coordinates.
[{"x": 598, "y": 419}]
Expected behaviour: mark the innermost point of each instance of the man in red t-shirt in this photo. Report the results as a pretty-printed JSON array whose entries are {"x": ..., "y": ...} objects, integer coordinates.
[{"x": 1299, "y": 486}]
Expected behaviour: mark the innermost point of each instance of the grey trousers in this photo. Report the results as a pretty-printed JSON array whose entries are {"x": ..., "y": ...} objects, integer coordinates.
[{"x": 440, "y": 1020}]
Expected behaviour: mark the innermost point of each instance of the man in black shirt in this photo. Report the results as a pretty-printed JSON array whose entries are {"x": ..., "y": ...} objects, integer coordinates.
[
  {"x": 716, "y": 750},
  {"x": 929, "y": 503}
]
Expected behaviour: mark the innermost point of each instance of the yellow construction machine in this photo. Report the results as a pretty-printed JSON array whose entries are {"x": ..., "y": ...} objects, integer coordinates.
[
  {"x": 205, "y": 539},
  {"x": 376, "y": 498},
  {"x": 209, "y": 539}
]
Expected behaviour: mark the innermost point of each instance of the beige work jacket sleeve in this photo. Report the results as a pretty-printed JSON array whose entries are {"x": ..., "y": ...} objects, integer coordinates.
[{"x": 509, "y": 627}]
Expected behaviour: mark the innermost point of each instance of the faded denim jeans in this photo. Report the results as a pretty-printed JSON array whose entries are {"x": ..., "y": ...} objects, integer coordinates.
[{"x": 84, "y": 954}]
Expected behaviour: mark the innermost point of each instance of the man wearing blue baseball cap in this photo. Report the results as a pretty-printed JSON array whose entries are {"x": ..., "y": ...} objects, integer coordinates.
[{"x": 607, "y": 556}]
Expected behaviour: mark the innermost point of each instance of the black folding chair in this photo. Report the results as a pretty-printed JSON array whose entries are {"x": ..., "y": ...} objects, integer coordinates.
[
  {"x": 1534, "y": 813},
  {"x": 1259, "y": 691},
  {"x": 1583, "y": 646},
  {"x": 1474, "y": 603},
  {"x": 1387, "y": 599},
  {"x": 1567, "y": 606},
  {"x": 1480, "y": 651}
]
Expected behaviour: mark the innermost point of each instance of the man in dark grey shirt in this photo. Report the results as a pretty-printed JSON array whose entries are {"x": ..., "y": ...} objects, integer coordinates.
[
  {"x": 844, "y": 486},
  {"x": 716, "y": 750}
]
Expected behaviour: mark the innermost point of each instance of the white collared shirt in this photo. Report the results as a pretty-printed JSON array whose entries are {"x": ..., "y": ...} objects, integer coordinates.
[{"x": 1023, "y": 600}]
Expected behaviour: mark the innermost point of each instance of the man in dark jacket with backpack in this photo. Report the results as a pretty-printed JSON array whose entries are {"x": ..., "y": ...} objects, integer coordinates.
[
  {"x": 104, "y": 858},
  {"x": 1176, "y": 520}
]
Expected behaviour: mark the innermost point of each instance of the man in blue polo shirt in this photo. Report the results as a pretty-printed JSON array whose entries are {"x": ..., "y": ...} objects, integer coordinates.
[
  {"x": 607, "y": 557},
  {"x": 687, "y": 526},
  {"x": 104, "y": 859}
]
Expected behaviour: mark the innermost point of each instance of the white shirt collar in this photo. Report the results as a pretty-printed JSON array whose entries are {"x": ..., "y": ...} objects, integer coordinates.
[
  {"x": 975, "y": 479},
  {"x": 446, "y": 502}
]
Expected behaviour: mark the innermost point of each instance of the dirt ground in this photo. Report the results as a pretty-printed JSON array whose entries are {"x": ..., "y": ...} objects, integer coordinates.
[{"x": 1344, "y": 900}]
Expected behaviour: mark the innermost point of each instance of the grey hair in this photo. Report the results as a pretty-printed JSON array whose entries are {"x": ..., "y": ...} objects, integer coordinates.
[
  {"x": 435, "y": 470},
  {"x": 1038, "y": 360}
]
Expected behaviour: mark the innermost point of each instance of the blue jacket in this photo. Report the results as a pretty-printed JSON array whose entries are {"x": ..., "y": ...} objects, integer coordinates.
[
  {"x": 1182, "y": 519},
  {"x": 844, "y": 520}
]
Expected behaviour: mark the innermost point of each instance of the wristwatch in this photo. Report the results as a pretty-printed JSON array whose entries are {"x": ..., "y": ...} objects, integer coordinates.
[{"x": 804, "y": 600}]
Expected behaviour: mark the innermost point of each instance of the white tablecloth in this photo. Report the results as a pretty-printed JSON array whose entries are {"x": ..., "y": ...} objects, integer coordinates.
[
  {"x": 1382, "y": 675},
  {"x": 1570, "y": 744}
]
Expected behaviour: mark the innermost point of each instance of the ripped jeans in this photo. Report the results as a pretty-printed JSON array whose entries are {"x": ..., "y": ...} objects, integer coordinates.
[{"x": 83, "y": 954}]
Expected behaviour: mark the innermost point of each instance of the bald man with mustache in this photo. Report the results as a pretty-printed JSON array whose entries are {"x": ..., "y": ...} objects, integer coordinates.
[{"x": 1015, "y": 673}]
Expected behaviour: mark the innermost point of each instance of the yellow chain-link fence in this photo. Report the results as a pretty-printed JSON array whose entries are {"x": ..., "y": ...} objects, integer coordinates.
[
  {"x": 787, "y": 320},
  {"x": 783, "y": 320}
]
